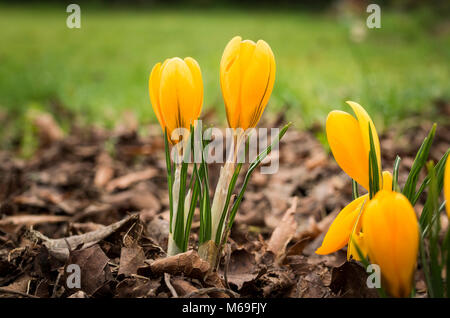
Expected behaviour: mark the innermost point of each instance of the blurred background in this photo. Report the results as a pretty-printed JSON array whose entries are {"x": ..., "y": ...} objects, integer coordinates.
[{"x": 325, "y": 54}]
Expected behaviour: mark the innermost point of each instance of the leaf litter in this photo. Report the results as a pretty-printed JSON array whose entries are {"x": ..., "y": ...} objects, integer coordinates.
[{"x": 98, "y": 199}]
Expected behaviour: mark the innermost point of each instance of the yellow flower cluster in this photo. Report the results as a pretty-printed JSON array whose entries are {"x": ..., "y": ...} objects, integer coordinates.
[
  {"x": 384, "y": 228},
  {"x": 247, "y": 75}
]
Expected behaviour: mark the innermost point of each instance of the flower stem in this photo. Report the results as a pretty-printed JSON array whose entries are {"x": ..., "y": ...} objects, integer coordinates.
[{"x": 172, "y": 248}]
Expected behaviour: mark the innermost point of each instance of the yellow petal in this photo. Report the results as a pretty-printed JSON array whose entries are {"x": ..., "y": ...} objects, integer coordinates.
[
  {"x": 153, "y": 88},
  {"x": 339, "y": 232},
  {"x": 387, "y": 181},
  {"x": 447, "y": 186},
  {"x": 230, "y": 53},
  {"x": 364, "y": 120},
  {"x": 345, "y": 140},
  {"x": 257, "y": 85},
  {"x": 358, "y": 240},
  {"x": 357, "y": 237},
  {"x": 246, "y": 54},
  {"x": 247, "y": 75},
  {"x": 392, "y": 238},
  {"x": 230, "y": 80},
  {"x": 198, "y": 87},
  {"x": 177, "y": 95}
]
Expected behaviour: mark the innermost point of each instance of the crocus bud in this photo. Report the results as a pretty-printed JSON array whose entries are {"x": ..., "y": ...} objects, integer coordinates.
[
  {"x": 391, "y": 236},
  {"x": 247, "y": 75},
  {"x": 349, "y": 141},
  {"x": 176, "y": 93}
]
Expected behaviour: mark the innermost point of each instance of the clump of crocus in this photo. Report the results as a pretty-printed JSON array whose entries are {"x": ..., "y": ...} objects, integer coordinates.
[
  {"x": 391, "y": 236},
  {"x": 176, "y": 93},
  {"x": 382, "y": 224},
  {"x": 247, "y": 75},
  {"x": 350, "y": 143}
]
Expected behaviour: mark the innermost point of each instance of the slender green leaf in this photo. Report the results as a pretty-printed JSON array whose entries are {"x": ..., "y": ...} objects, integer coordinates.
[
  {"x": 446, "y": 247},
  {"x": 252, "y": 167},
  {"x": 440, "y": 168},
  {"x": 374, "y": 170},
  {"x": 169, "y": 176},
  {"x": 179, "y": 220},
  {"x": 421, "y": 158},
  {"x": 205, "y": 201},
  {"x": 395, "y": 186},
  {"x": 355, "y": 193},
  {"x": 195, "y": 194},
  {"x": 425, "y": 266},
  {"x": 432, "y": 204}
]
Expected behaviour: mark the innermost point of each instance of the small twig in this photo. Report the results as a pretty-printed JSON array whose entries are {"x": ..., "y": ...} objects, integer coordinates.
[
  {"x": 208, "y": 290},
  {"x": 128, "y": 233},
  {"x": 5, "y": 290},
  {"x": 14, "y": 250},
  {"x": 55, "y": 287},
  {"x": 169, "y": 285}
]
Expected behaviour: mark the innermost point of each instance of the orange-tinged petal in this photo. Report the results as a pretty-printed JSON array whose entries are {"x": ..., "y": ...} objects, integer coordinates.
[
  {"x": 153, "y": 88},
  {"x": 364, "y": 120},
  {"x": 271, "y": 83},
  {"x": 392, "y": 238},
  {"x": 447, "y": 186},
  {"x": 247, "y": 75},
  {"x": 230, "y": 80},
  {"x": 257, "y": 84},
  {"x": 246, "y": 55},
  {"x": 176, "y": 93},
  {"x": 180, "y": 93},
  {"x": 230, "y": 53},
  {"x": 358, "y": 240},
  {"x": 198, "y": 86},
  {"x": 387, "y": 181},
  {"x": 345, "y": 140},
  {"x": 357, "y": 237},
  {"x": 339, "y": 232}
]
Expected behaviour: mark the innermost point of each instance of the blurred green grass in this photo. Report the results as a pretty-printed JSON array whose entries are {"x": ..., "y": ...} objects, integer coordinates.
[{"x": 102, "y": 69}]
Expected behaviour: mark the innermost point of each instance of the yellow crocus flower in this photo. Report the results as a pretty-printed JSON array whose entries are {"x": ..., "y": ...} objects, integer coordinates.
[
  {"x": 349, "y": 141},
  {"x": 247, "y": 75},
  {"x": 391, "y": 234},
  {"x": 348, "y": 224},
  {"x": 176, "y": 93},
  {"x": 447, "y": 186},
  {"x": 357, "y": 236}
]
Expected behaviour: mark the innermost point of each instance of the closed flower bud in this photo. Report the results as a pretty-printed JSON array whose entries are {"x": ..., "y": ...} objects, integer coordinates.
[
  {"x": 247, "y": 75},
  {"x": 391, "y": 236},
  {"x": 176, "y": 93}
]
